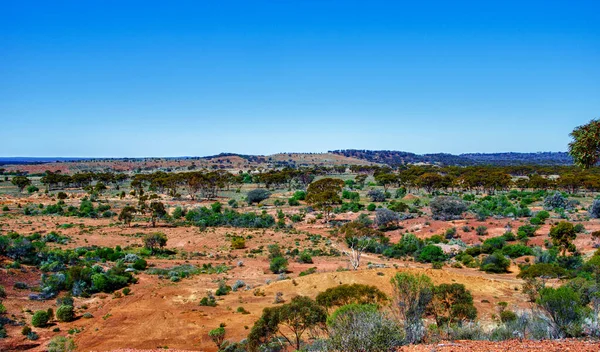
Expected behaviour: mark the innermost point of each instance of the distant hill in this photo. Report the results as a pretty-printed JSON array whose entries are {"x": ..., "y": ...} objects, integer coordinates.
[
  {"x": 393, "y": 158},
  {"x": 540, "y": 158}
]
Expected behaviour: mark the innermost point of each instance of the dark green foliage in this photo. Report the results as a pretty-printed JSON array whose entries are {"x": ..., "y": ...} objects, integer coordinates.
[
  {"x": 305, "y": 257},
  {"x": 516, "y": 250},
  {"x": 495, "y": 263},
  {"x": 562, "y": 236},
  {"x": 452, "y": 304},
  {"x": 257, "y": 195},
  {"x": 205, "y": 217},
  {"x": 223, "y": 289},
  {"x": 545, "y": 270},
  {"x": 278, "y": 265},
  {"x": 371, "y": 207},
  {"x": 499, "y": 206},
  {"x": 298, "y": 316},
  {"x": 40, "y": 319},
  {"x": 493, "y": 244},
  {"x": 526, "y": 231},
  {"x": 65, "y": 313},
  {"x": 350, "y": 294},
  {"x": 140, "y": 264},
  {"x": 564, "y": 306},
  {"x": 432, "y": 253}
]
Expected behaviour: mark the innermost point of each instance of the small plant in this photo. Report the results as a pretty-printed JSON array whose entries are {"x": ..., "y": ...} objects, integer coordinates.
[
  {"x": 65, "y": 313},
  {"x": 40, "y": 319},
  {"x": 61, "y": 344},
  {"x": 223, "y": 289},
  {"x": 209, "y": 300},
  {"x": 242, "y": 310},
  {"x": 217, "y": 336},
  {"x": 481, "y": 230},
  {"x": 278, "y": 298},
  {"x": 238, "y": 242}
]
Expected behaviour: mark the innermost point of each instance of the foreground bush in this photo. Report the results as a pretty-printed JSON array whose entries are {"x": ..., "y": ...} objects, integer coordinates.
[
  {"x": 61, "y": 344},
  {"x": 362, "y": 328}
]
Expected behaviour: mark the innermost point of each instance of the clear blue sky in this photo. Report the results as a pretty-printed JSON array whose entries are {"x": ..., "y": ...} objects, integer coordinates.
[{"x": 172, "y": 78}]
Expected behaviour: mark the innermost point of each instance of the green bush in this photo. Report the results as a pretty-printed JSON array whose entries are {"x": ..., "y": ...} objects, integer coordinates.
[
  {"x": 278, "y": 265},
  {"x": 61, "y": 344},
  {"x": 65, "y": 313},
  {"x": 140, "y": 264},
  {"x": 40, "y": 319},
  {"x": 305, "y": 257},
  {"x": 432, "y": 253},
  {"x": 495, "y": 263},
  {"x": 564, "y": 307}
]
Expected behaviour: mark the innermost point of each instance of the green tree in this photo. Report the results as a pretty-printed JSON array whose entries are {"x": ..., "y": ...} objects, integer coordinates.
[
  {"x": 412, "y": 295},
  {"x": 452, "y": 303},
  {"x": 21, "y": 182},
  {"x": 217, "y": 336},
  {"x": 564, "y": 307},
  {"x": 324, "y": 194},
  {"x": 126, "y": 215},
  {"x": 585, "y": 147},
  {"x": 158, "y": 212},
  {"x": 155, "y": 240},
  {"x": 293, "y": 318},
  {"x": 562, "y": 235}
]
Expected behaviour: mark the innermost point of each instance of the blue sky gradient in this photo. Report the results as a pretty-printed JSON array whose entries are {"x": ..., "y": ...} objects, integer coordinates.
[{"x": 146, "y": 78}]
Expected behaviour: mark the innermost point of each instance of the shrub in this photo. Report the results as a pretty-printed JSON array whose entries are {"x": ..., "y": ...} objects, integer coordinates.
[
  {"x": 2, "y": 308},
  {"x": 40, "y": 318},
  {"x": 238, "y": 242},
  {"x": 61, "y": 344},
  {"x": 450, "y": 233},
  {"x": 350, "y": 294},
  {"x": 154, "y": 240},
  {"x": 412, "y": 295},
  {"x": 507, "y": 316},
  {"x": 432, "y": 253},
  {"x": 140, "y": 264},
  {"x": 557, "y": 201},
  {"x": 371, "y": 207},
  {"x": 495, "y": 263},
  {"x": 237, "y": 285},
  {"x": 481, "y": 230},
  {"x": 362, "y": 328},
  {"x": 385, "y": 218},
  {"x": 452, "y": 304},
  {"x": 223, "y": 289},
  {"x": 65, "y": 313},
  {"x": 594, "y": 210},
  {"x": 278, "y": 265},
  {"x": 217, "y": 336},
  {"x": 293, "y": 202},
  {"x": 516, "y": 250},
  {"x": 257, "y": 195},
  {"x": 493, "y": 244},
  {"x": 546, "y": 270},
  {"x": 209, "y": 300},
  {"x": 526, "y": 231},
  {"x": 376, "y": 195},
  {"x": 447, "y": 208},
  {"x": 305, "y": 257},
  {"x": 564, "y": 306}
]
